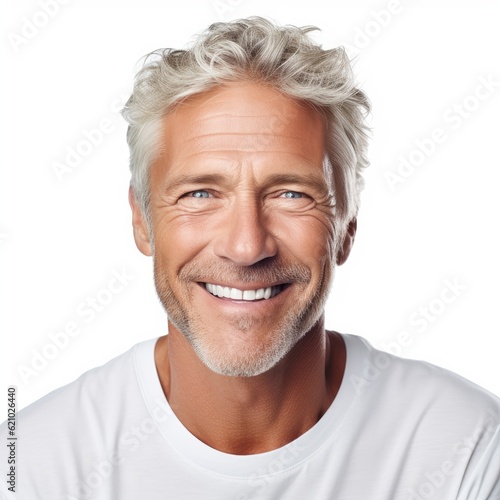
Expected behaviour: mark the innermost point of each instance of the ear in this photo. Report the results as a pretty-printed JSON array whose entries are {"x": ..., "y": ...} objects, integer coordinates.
[
  {"x": 140, "y": 226},
  {"x": 345, "y": 249}
]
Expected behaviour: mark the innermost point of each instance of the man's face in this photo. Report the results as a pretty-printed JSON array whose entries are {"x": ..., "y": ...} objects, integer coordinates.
[{"x": 243, "y": 229}]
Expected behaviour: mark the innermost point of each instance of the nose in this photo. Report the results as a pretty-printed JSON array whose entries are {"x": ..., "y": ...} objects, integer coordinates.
[{"x": 244, "y": 236}]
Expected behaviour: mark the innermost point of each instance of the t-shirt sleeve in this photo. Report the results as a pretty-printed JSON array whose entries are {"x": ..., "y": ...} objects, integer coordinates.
[{"x": 484, "y": 481}]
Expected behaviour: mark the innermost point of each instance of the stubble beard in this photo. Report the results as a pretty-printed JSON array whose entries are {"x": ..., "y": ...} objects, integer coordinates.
[{"x": 255, "y": 359}]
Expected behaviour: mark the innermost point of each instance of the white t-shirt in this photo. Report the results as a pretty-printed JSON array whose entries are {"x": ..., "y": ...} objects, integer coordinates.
[{"x": 398, "y": 429}]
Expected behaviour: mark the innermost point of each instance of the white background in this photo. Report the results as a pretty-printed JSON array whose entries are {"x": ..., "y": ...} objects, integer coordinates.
[{"x": 61, "y": 239}]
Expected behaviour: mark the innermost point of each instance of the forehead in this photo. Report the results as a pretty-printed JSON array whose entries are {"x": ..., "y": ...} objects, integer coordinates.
[{"x": 242, "y": 121}]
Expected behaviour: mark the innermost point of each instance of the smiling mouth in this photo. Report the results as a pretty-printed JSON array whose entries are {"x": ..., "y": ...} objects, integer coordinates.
[{"x": 246, "y": 295}]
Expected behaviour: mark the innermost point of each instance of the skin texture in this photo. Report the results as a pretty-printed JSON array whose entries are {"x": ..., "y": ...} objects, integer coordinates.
[{"x": 239, "y": 198}]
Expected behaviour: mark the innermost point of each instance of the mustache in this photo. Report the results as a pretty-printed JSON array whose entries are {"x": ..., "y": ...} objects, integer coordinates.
[{"x": 272, "y": 271}]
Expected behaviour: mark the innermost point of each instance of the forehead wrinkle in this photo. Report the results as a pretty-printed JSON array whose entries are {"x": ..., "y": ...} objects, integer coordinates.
[
  {"x": 299, "y": 169},
  {"x": 241, "y": 130},
  {"x": 233, "y": 124},
  {"x": 239, "y": 162},
  {"x": 233, "y": 114},
  {"x": 258, "y": 143},
  {"x": 242, "y": 133}
]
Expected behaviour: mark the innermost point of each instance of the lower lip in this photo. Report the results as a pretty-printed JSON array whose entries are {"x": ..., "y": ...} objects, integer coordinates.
[{"x": 224, "y": 301}]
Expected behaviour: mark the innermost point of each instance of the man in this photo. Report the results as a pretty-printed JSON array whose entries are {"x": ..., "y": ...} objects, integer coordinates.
[{"x": 246, "y": 159}]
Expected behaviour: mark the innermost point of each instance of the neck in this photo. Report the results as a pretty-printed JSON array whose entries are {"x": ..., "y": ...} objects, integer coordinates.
[{"x": 246, "y": 415}]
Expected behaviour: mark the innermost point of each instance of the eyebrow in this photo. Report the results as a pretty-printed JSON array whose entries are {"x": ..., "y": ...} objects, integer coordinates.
[
  {"x": 307, "y": 180},
  {"x": 312, "y": 181},
  {"x": 182, "y": 180}
]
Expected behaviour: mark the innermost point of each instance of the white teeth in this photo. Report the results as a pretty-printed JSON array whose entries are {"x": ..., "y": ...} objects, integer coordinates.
[{"x": 249, "y": 295}]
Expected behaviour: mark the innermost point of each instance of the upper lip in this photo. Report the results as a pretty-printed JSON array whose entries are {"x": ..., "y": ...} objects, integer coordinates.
[{"x": 246, "y": 286}]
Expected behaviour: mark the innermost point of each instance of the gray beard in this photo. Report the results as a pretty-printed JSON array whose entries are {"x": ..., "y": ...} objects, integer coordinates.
[{"x": 291, "y": 328}]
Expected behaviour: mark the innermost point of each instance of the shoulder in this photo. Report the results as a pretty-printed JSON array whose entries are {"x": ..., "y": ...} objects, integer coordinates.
[
  {"x": 408, "y": 385},
  {"x": 98, "y": 391},
  {"x": 78, "y": 424},
  {"x": 435, "y": 422}
]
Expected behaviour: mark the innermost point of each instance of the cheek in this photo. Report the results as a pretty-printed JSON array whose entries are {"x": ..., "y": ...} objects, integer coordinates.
[
  {"x": 179, "y": 240},
  {"x": 309, "y": 237}
]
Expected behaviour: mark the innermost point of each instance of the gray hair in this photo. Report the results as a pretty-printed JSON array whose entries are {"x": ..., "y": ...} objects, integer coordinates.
[{"x": 255, "y": 49}]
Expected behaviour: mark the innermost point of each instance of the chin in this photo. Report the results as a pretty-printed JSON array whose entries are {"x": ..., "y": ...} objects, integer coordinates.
[{"x": 254, "y": 355}]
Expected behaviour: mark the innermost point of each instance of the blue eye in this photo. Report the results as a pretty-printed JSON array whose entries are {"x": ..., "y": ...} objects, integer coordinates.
[
  {"x": 292, "y": 194},
  {"x": 200, "y": 193}
]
